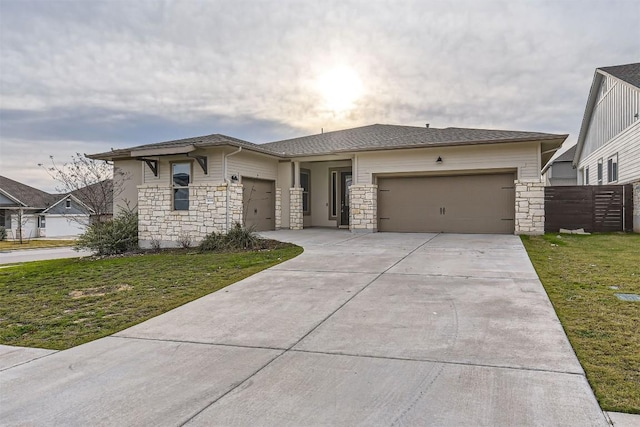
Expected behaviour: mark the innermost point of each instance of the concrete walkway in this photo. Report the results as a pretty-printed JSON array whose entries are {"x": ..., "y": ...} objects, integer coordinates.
[
  {"x": 377, "y": 329},
  {"x": 27, "y": 255}
]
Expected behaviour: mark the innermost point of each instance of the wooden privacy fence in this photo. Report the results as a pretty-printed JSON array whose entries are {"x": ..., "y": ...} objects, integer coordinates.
[{"x": 598, "y": 208}]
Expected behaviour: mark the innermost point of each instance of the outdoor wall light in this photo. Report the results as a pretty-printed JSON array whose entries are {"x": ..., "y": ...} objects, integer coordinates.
[
  {"x": 234, "y": 178},
  {"x": 439, "y": 161}
]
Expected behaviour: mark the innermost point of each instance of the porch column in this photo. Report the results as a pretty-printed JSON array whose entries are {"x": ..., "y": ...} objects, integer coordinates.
[
  {"x": 529, "y": 207},
  {"x": 295, "y": 208}
]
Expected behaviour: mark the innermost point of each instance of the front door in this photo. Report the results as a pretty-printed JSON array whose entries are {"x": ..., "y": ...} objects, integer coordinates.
[{"x": 345, "y": 184}]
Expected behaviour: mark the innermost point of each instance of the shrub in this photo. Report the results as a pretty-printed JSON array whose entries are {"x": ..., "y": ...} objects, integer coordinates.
[
  {"x": 242, "y": 238},
  {"x": 237, "y": 238},
  {"x": 212, "y": 242},
  {"x": 184, "y": 240},
  {"x": 116, "y": 236},
  {"x": 3, "y": 233}
]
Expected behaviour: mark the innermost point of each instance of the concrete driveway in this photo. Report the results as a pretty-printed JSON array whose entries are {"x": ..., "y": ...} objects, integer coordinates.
[{"x": 375, "y": 329}]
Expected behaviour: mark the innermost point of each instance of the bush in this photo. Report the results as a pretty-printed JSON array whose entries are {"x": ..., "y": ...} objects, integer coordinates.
[
  {"x": 237, "y": 238},
  {"x": 3, "y": 234},
  {"x": 116, "y": 236},
  {"x": 212, "y": 242},
  {"x": 242, "y": 238}
]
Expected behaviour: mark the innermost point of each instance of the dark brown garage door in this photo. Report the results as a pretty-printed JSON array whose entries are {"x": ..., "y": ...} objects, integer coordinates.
[
  {"x": 450, "y": 204},
  {"x": 258, "y": 204}
]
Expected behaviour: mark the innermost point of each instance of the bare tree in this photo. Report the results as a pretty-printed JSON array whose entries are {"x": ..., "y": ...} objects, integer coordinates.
[
  {"x": 22, "y": 220},
  {"x": 90, "y": 181}
]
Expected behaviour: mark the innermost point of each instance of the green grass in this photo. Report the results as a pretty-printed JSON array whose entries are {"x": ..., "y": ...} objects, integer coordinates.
[
  {"x": 581, "y": 274},
  {"x": 60, "y": 304},
  {"x": 34, "y": 244}
]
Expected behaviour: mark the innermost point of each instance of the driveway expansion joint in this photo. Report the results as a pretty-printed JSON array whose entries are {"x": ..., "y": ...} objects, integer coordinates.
[
  {"x": 440, "y": 361},
  {"x": 213, "y": 344}
]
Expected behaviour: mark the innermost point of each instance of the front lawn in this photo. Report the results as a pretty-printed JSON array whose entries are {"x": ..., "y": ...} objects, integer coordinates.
[
  {"x": 581, "y": 275},
  {"x": 60, "y": 304},
  {"x": 34, "y": 244}
]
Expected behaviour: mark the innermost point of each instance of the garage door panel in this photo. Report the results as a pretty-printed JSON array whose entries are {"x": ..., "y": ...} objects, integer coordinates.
[
  {"x": 460, "y": 204},
  {"x": 258, "y": 204}
]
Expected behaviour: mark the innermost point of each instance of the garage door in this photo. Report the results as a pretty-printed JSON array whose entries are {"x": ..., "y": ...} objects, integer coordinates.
[
  {"x": 450, "y": 204},
  {"x": 259, "y": 204}
]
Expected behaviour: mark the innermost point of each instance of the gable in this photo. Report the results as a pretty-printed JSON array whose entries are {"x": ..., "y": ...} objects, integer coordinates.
[
  {"x": 60, "y": 208},
  {"x": 616, "y": 107},
  {"x": 6, "y": 201}
]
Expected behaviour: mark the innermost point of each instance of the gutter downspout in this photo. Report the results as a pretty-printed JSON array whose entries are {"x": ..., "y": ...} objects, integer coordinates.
[{"x": 224, "y": 171}]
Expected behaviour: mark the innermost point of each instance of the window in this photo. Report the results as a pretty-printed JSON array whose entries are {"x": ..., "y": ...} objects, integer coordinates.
[
  {"x": 181, "y": 177},
  {"x": 612, "y": 168},
  {"x": 42, "y": 221},
  {"x": 67, "y": 203},
  {"x": 599, "y": 171},
  {"x": 586, "y": 176},
  {"x": 305, "y": 183},
  {"x": 333, "y": 195}
]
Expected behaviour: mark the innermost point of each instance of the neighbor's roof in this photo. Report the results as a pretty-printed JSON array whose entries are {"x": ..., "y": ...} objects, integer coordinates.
[
  {"x": 27, "y": 196},
  {"x": 567, "y": 156},
  {"x": 365, "y": 138},
  {"x": 629, "y": 73}
]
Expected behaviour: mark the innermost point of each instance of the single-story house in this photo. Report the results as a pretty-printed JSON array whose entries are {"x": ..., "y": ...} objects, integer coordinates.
[
  {"x": 366, "y": 179},
  {"x": 608, "y": 148},
  {"x": 35, "y": 213},
  {"x": 560, "y": 171}
]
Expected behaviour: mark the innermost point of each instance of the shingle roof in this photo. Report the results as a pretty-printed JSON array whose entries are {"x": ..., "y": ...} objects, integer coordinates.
[
  {"x": 384, "y": 137},
  {"x": 29, "y": 196},
  {"x": 629, "y": 73},
  {"x": 365, "y": 138},
  {"x": 198, "y": 141}
]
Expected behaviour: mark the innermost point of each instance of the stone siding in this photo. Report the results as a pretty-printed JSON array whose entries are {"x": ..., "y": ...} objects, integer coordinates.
[
  {"x": 636, "y": 207},
  {"x": 278, "y": 208},
  {"x": 529, "y": 208},
  {"x": 157, "y": 221},
  {"x": 363, "y": 208},
  {"x": 296, "y": 217}
]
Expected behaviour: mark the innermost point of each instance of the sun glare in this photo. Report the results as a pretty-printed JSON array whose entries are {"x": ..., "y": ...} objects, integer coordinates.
[{"x": 341, "y": 87}]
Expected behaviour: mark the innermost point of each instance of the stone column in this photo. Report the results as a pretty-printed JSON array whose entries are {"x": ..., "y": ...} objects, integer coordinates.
[
  {"x": 278, "y": 208},
  {"x": 636, "y": 207},
  {"x": 295, "y": 209},
  {"x": 363, "y": 208},
  {"x": 529, "y": 208}
]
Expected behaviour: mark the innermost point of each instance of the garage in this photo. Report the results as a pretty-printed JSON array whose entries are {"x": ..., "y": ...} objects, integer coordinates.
[
  {"x": 451, "y": 204},
  {"x": 258, "y": 204}
]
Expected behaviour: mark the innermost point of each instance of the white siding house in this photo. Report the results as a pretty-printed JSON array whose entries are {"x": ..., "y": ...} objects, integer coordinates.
[{"x": 608, "y": 149}]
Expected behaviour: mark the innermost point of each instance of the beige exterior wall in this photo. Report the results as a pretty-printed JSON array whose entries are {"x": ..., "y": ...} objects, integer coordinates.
[
  {"x": 214, "y": 169},
  {"x": 627, "y": 146},
  {"x": 126, "y": 178},
  {"x": 524, "y": 157},
  {"x": 251, "y": 165}
]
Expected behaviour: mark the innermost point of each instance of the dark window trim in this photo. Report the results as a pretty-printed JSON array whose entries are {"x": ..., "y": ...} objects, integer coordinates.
[
  {"x": 600, "y": 171},
  {"x": 612, "y": 166},
  {"x": 308, "y": 192},
  {"x": 174, "y": 187},
  {"x": 334, "y": 198}
]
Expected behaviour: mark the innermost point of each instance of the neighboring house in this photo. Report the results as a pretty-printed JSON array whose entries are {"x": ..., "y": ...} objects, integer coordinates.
[
  {"x": 608, "y": 149},
  {"x": 371, "y": 178},
  {"x": 560, "y": 171},
  {"x": 35, "y": 213}
]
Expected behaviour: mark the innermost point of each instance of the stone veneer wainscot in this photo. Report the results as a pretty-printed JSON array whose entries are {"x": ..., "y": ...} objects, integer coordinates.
[{"x": 157, "y": 221}]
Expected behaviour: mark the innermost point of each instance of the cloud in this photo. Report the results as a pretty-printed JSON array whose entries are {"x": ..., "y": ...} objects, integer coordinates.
[{"x": 105, "y": 74}]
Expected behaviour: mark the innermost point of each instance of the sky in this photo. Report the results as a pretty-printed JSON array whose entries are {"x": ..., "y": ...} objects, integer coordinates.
[{"x": 88, "y": 76}]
